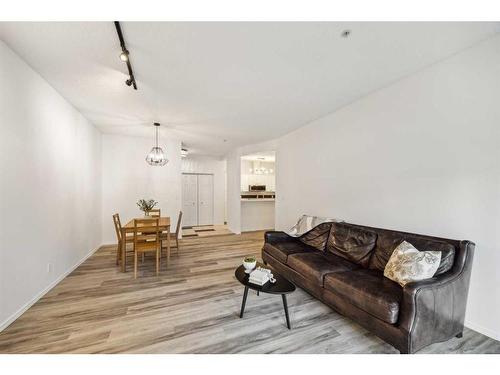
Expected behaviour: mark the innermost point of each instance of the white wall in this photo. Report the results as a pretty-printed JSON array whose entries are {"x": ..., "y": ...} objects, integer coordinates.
[
  {"x": 50, "y": 191},
  {"x": 233, "y": 167},
  {"x": 257, "y": 215},
  {"x": 217, "y": 167},
  {"x": 422, "y": 155},
  {"x": 127, "y": 178}
]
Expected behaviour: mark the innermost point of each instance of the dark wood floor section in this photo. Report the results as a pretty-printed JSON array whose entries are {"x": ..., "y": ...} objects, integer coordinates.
[{"x": 192, "y": 307}]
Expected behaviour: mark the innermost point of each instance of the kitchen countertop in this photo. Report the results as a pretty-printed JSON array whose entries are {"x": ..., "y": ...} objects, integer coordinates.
[{"x": 257, "y": 199}]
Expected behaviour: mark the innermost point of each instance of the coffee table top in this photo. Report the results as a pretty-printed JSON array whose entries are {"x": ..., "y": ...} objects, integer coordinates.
[{"x": 281, "y": 286}]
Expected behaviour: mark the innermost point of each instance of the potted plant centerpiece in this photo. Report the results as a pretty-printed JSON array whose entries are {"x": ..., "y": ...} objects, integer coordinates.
[
  {"x": 249, "y": 263},
  {"x": 146, "y": 205}
]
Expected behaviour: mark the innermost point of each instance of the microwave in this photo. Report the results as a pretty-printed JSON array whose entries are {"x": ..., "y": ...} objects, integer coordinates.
[{"x": 256, "y": 187}]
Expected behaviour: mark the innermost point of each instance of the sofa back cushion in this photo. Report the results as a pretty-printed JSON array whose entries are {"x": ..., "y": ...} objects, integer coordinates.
[
  {"x": 447, "y": 251},
  {"x": 306, "y": 223},
  {"x": 387, "y": 241},
  {"x": 386, "y": 244},
  {"x": 317, "y": 237},
  {"x": 352, "y": 243}
]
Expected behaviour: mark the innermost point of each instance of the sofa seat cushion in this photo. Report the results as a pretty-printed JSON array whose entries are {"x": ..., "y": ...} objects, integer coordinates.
[
  {"x": 315, "y": 265},
  {"x": 368, "y": 290},
  {"x": 281, "y": 250}
]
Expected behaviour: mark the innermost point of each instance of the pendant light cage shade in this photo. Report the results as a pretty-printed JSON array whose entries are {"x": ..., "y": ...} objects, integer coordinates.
[{"x": 156, "y": 156}]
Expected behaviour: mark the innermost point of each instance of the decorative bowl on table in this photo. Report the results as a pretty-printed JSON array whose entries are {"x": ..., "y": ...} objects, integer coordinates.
[{"x": 249, "y": 263}]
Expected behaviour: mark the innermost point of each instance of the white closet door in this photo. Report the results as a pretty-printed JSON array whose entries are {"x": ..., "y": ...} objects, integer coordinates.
[
  {"x": 189, "y": 200},
  {"x": 205, "y": 199}
]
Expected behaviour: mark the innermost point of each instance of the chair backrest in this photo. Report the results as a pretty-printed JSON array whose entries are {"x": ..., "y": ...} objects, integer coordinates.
[
  {"x": 118, "y": 227},
  {"x": 147, "y": 231},
  {"x": 155, "y": 212},
  {"x": 178, "y": 228}
]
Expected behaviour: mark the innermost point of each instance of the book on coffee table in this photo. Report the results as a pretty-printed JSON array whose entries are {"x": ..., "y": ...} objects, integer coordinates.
[{"x": 258, "y": 277}]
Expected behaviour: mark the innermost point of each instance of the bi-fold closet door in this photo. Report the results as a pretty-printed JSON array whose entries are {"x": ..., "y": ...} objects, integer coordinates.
[{"x": 198, "y": 199}]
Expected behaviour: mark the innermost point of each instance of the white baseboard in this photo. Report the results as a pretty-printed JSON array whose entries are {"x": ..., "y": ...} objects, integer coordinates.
[
  {"x": 30, "y": 303},
  {"x": 485, "y": 331}
]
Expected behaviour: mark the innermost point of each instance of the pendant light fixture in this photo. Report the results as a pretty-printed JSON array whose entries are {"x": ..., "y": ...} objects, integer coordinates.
[{"x": 156, "y": 156}]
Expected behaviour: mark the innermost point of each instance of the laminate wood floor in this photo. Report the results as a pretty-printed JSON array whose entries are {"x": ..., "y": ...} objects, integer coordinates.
[
  {"x": 193, "y": 307},
  {"x": 205, "y": 231}
]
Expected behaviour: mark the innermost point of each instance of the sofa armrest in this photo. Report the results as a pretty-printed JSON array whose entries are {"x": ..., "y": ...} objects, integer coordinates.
[
  {"x": 273, "y": 237},
  {"x": 434, "y": 310}
]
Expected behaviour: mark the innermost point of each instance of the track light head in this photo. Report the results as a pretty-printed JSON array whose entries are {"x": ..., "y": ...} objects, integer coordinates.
[
  {"x": 124, "y": 56},
  {"x": 345, "y": 33}
]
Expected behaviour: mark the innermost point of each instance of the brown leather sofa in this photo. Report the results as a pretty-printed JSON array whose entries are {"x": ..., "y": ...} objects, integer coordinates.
[{"x": 342, "y": 265}]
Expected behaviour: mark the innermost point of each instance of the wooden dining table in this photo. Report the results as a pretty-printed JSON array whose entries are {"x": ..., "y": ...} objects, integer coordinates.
[{"x": 164, "y": 226}]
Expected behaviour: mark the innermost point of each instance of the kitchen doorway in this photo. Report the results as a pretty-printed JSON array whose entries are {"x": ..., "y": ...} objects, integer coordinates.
[{"x": 258, "y": 191}]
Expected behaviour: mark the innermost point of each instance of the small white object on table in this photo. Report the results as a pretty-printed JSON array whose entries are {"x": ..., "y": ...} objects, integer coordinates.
[{"x": 261, "y": 276}]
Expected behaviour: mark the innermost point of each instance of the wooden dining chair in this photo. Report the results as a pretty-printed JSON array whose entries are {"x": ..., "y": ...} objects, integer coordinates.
[
  {"x": 155, "y": 212},
  {"x": 174, "y": 235},
  {"x": 118, "y": 230},
  {"x": 178, "y": 232},
  {"x": 146, "y": 239}
]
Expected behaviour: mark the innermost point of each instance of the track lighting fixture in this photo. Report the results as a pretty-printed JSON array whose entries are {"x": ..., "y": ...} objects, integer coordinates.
[{"x": 125, "y": 57}]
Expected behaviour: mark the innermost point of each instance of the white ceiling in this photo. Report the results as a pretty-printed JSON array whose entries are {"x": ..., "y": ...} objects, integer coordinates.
[{"x": 239, "y": 82}]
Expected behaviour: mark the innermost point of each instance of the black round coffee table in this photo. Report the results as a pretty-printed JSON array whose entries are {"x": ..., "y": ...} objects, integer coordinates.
[{"x": 281, "y": 286}]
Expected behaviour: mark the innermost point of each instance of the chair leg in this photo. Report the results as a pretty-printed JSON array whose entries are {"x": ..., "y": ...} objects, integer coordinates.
[
  {"x": 118, "y": 252},
  {"x": 157, "y": 262},
  {"x": 135, "y": 264},
  {"x": 177, "y": 242},
  {"x": 168, "y": 246},
  {"x": 142, "y": 257},
  {"x": 168, "y": 252}
]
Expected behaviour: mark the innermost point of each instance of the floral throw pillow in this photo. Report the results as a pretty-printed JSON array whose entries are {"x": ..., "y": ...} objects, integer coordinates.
[{"x": 408, "y": 264}]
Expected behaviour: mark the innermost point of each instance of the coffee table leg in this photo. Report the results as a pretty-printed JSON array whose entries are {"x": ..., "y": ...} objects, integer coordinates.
[
  {"x": 257, "y": 293},
  {"x": 286, "y": 311},
  {"x": 244, "y": 301}
]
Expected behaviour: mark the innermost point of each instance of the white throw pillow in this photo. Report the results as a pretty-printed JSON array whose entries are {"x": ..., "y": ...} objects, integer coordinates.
[
  {"x": 306, "y": 223},
  {"x": 407, "y": 264}
]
